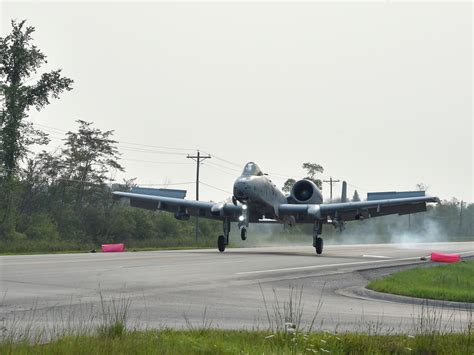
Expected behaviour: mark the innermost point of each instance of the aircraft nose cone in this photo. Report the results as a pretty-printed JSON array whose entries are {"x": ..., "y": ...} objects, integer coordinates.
[{"x": 240, "y": 189}]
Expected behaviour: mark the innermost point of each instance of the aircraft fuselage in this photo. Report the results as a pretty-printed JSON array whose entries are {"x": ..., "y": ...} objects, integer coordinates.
[{"x": 259, "y": 193}]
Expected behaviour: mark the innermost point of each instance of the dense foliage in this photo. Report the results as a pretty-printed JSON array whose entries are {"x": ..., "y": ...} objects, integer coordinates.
[
  {"x": 63, "y": 202},
  {"x": 49, "y": 217}
]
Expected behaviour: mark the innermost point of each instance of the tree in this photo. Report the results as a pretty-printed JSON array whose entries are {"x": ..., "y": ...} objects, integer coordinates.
[
  {"x": 422, "y": 187},
  {"x": 19, "y": 60},
  {"x": 312, "y": 169},
  {"x": 355, "y": 197},
  {"x": 288, "y": 185},
  {"x": 89, "y": 154}
]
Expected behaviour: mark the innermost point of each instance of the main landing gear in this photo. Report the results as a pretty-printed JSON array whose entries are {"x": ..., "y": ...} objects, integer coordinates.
[
  {"x": 317, "y": 240},
  {"x": 223, "y": 240},
  {"x": 243, "y": 233}
]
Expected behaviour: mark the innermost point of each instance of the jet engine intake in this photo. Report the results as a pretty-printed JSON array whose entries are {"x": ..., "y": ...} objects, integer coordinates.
[{"x": 305, "y": 191}]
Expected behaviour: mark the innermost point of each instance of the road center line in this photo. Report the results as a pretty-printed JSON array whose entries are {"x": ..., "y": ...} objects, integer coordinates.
[
  {"x": 325, "y": 266},
  {"x": 377, "y": 256}
]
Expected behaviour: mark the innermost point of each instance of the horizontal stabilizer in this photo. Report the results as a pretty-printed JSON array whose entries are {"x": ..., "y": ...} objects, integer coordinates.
[
  {"x": 159, "y": 192},
  {"x": 375, "y": 196}
]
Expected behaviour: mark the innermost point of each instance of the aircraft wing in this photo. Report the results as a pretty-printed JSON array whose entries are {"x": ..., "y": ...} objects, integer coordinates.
[
  {"x": 182, "y": 207},
  {"x": 348, "y": 211}
]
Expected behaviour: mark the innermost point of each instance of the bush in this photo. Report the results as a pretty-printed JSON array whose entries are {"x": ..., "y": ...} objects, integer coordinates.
[{"x": 40, "y": 226}]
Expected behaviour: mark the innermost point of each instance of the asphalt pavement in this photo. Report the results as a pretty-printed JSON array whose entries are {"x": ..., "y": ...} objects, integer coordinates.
[{"x": 240, "y": 288}]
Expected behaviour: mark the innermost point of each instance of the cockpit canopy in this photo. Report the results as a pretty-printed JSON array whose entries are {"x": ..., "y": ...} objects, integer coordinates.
[{"x": 252, "y": 169}]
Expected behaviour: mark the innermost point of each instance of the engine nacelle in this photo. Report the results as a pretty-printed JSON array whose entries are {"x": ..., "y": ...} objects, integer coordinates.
[{"x": 305, "y": 191}]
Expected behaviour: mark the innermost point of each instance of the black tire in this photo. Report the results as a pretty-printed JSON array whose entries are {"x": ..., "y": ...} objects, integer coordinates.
[
  {"x": 319, "y": 245},
  {"x": 243, "y": 234},
  {"x": 221, "y": 243}
]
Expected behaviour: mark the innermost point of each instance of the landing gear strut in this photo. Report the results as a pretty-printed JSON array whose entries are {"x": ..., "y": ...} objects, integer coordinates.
[
  {"x": 223, "y": 240},
  {"x": 317, "y": 240}
]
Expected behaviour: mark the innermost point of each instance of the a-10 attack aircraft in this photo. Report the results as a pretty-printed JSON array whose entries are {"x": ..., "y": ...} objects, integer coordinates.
[{"x": 257, "y": 200}]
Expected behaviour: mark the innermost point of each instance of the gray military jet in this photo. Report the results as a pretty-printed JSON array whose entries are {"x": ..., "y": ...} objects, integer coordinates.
[{"x": 256, "y": 199}]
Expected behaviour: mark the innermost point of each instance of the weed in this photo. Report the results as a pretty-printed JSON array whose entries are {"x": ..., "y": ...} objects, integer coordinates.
[{"x": 114, "y": 317}]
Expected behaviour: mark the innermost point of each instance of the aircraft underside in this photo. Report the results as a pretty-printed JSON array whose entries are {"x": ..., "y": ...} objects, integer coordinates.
[{"x": 223, "y": 240}]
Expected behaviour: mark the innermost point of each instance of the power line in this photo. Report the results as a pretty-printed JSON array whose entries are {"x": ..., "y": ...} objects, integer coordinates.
[
  {"x": 216, "y": 188},
  {"x": 57, "y": 130},
  {"x": 156, "y": 162},
  {"x": 170, "y": 184},
  {"x": 49, "y": 128},
  {"x": 225, "y": 161},
  {"x": 223, "y": 167},
  {"x": 221, "y": 170},
  {"x": 143, "y": 150},
  {"x": 135, "y": 147},
  {"x": 124, "y": 147}
]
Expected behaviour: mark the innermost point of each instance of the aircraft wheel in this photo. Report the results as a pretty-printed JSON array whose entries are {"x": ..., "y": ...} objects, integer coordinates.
[
  {"x": 319, "y": 245},
  {"x": 221, "y": 243},
  {"x": 243, "y": 233}
]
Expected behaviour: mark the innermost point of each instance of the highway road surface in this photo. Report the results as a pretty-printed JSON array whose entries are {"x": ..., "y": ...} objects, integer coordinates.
[{"x": 194, "y": 287}]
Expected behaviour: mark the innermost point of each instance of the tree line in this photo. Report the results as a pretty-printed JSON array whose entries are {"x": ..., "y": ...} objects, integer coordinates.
[{"x": 62, "y": 200}]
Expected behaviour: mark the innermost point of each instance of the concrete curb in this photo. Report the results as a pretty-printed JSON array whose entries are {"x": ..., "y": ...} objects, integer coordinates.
[{"x": 370, "y": 295}]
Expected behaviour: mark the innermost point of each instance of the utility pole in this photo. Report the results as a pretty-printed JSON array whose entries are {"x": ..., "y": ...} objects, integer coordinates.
[
  {"x": 460, "y": 217},
  {"x": 331, "y": 181},
  {"x": 198, "y": 158}
]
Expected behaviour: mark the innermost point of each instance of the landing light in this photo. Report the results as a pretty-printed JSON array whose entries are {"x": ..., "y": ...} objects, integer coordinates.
[
  {"x": 244, "y": 207},
  {"x": 241, "y": 218}
]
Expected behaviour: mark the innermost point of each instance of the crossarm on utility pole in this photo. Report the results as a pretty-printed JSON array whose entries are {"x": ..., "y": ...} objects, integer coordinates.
[
  {"x": 331, "y": 181},
  {"x": 198, "y": 158}
]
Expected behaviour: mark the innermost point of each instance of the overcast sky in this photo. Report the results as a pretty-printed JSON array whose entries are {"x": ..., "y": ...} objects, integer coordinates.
[{"x": 379, "y": 94}]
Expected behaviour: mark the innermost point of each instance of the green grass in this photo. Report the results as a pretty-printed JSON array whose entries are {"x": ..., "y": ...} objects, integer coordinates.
[
  {"x": 285, "y": 335},
  {"x": 247, "y": 342},
  {"x": 452, "y": 282}
]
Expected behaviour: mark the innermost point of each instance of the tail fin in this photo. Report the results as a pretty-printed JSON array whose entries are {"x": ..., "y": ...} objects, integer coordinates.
[{"x": 344, "y": 192}]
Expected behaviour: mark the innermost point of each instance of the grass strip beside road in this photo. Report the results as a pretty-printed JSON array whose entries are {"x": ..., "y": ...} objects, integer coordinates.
[
  {"x": 210, "y": 341},
  {"x": 451, "y": 282}
]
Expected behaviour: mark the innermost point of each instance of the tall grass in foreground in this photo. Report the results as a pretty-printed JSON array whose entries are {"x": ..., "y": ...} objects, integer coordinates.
[
  {"x": 211, "y": 341},
  {"x": 108, "y": 331}
]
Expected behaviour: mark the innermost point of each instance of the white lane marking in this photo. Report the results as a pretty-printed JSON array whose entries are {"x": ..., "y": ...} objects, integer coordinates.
[
  {"x": 325, "y": 266},
  {"x": 377, "y": 256},
  {"x": 332, "y": 265}
]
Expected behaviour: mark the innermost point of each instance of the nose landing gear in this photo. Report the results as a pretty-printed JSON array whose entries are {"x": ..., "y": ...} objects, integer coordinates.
[{"x": 221, "y": 243}]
